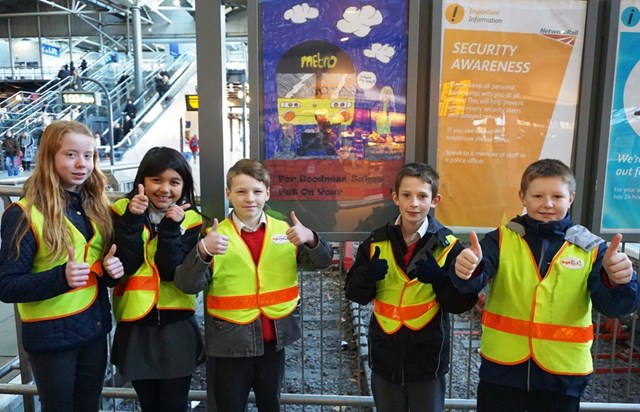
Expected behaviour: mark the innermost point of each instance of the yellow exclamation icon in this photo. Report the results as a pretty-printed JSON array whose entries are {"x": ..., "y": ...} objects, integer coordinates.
[{"x": 454, "y": 13}]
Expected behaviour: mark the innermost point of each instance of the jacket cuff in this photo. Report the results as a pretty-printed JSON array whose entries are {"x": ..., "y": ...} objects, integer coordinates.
[
  {"x": 169, "y": 225},
  {"x": 606, "y": 281},
  {"x": 478, "y": 271},
  {"x": 132, "y": 219}
]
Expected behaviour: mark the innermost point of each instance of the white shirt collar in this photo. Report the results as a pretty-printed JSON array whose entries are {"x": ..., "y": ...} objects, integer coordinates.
[
  {"x": 422, "y": 230},
  {"x": 242, "y": 226}
]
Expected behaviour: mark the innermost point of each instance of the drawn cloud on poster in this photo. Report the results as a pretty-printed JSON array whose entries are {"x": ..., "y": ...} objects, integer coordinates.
[
  {"x": 300, "y": 13},
  {"x": 366, "y": 80},
  {"x": 382, "y": 52},
  {"x": 359, "y": 21}
]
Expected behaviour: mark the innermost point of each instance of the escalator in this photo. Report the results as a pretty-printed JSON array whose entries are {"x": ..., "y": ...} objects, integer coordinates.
[{"x": 32, "y": 111}]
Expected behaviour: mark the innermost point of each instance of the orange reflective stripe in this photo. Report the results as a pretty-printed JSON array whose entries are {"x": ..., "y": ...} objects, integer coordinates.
[
  {"x": 252, "y": 301},
  {"x": 141, "y": 283},
  {"x": 96, "y": 268},
  {"x": 404, "y": 312},
  {"x": 546, "y": 331}
]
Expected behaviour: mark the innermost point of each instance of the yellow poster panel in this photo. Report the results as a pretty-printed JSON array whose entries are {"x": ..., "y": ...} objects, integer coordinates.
[{"x": 499, "y": 93}]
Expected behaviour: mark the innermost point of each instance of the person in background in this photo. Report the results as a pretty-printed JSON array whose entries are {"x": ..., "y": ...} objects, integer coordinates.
[
  {"x": 27, "y": 148},
  {"x": 157, "y": 344},
  {"x": 194, "y": 146},
  {"x": 83, "y": 66},
  {"x": 250, "y": 254},
  {"x": 56, "y": 262},
  {"x": 11, "y": 148},
  {"x": 117, "y": 133},
  {"x": 127, "y": 125},
  {"x": 130, "y": 109},
  {"x": 545, "y": 273},
  {"x": 64, "y": 72},
  {"x": 402, "y": 267}
]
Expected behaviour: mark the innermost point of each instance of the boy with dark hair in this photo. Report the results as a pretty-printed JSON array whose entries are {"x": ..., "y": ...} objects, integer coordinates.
[
  {"x": 544, "y": 274},
  {"x": 402, "y": 267},
  {"x": 249, "y": 264}
]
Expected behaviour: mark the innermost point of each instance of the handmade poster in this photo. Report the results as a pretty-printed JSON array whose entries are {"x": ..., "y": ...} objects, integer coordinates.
[{"x": 334, "y": 98}]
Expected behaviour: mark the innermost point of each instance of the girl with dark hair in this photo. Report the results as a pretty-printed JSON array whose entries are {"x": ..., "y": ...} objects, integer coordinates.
[{"x": 157, "y": 344}]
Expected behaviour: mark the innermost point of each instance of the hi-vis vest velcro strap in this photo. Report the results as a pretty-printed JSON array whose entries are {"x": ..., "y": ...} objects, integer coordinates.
[
  {"x": 538, "y": 330},
  {"x": 252, "y": 301},
  {"x": 77, "y": 299},
  {"x": 403, "y": 313}
]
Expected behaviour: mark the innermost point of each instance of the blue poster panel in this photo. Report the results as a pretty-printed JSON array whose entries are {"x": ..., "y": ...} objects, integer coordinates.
[
  {"x": 621, "y": 199},
  {"x": 334, "y": 103}
]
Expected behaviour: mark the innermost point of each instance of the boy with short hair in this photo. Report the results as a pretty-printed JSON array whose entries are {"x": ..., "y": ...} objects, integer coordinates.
[
  {"x": 402, "y": 267},
  {"x": 249, "y": 264},
  {"x": 544, "y": 274}
]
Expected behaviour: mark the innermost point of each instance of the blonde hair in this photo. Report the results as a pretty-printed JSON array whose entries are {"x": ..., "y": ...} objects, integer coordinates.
[{"x": 44, "y": 191}]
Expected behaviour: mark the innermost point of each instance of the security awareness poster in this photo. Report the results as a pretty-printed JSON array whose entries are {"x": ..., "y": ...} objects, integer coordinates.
[
  {"x": 621, "y": 199},
  {"x": 508, "y": 96},
  {"x": 334, "y": 98}
]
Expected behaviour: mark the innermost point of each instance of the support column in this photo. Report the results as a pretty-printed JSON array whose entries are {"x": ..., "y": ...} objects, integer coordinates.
[{"x": 137, "y": 50}]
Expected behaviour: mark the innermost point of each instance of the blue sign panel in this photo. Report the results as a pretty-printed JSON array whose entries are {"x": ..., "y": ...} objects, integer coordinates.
[
  {"x": 622, "y": 180},
  {"x": 174, "y": 49},
  {"x": 50, "y": 50}
]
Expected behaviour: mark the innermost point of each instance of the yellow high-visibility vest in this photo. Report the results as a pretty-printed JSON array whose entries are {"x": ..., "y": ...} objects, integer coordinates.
[
  {"x": 240, "y": 290},
  {"x": 134, "y": 299},
  {"x": 547, "y": 318},
  {"x": 77, "y": 299},
  {"x": 403, "y": 301}
]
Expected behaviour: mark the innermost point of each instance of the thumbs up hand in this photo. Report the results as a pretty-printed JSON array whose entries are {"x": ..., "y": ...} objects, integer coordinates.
[
  {"x": 140, "y": 202},
  {"x": 378, "y": 268},
  {"x": 298, "y": 234},
  {"x": 77, "y": 273},
  {"x": 214, "y": 243},
  {"x": 617, "y": 264},
  {"x": 176, "y": 213},
  {"x": 112, "y": 264},
  {"x": 469, "y": 259}
]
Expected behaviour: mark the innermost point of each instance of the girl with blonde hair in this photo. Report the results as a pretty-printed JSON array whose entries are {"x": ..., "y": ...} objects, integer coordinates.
[{"x": 56, "y": 260}]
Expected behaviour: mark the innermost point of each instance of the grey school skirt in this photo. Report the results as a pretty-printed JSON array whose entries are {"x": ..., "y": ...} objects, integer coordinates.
[{"x": 157, "y": 352}]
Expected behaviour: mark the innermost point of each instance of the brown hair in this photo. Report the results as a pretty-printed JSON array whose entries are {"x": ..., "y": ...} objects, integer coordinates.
[
  {"x": 422, "y": 171},
  {"x": 548, "y": 168},
  {"x": 251, "y": 168}
]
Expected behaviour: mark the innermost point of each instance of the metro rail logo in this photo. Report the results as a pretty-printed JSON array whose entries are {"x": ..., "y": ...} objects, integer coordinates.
[
  {"x": 279, "y": 239},
  {"x": 573, "y": 263}
]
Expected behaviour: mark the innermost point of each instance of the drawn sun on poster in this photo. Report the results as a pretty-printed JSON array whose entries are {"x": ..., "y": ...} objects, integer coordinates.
[{"x": 631, "y": 99}]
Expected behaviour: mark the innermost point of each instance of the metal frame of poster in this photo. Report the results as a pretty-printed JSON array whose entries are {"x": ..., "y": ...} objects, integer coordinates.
[
  {"x": 508, "y": 95},
  {"x": 617, "y": 196},
  {"x": 334, "y": 101}
]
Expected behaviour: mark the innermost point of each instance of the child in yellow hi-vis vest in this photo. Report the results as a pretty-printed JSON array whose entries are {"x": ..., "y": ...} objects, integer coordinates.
[
  {"x": 252, "y": 294},
  {"x": 544, "y": 274},
  {"x": 56, "y": 262},
  {"x": 157, "y": 344},
  {"x": 402, "y": 268}
]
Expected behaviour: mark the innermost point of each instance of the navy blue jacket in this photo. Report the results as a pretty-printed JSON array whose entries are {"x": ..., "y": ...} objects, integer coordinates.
[
  {"x": 18, "y": 284},
  {"x": 545, "y": 239}
]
